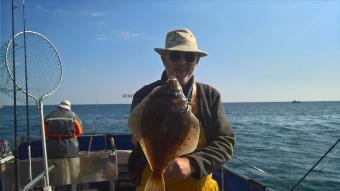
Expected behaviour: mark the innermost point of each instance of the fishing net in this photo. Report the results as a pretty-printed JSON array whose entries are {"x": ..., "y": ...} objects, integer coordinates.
[
  {"x": 6, "y": 83},
  {"x": 44, "y": 68},
  {"x": 38, "y": 73}
]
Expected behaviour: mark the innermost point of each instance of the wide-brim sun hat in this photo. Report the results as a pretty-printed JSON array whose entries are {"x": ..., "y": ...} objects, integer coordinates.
[
  {"x": 181, "y": 40},
  {"x": 65, "y": 105}
]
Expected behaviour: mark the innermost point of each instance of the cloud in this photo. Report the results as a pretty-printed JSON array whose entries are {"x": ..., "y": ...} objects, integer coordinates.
[
  {"x": 119, "y": 34},
  {"x": 101, "y": 23},
  {"x": 41, "y": 8},
  {"x": 97, "y": 14},
  {"x": 91, "y": 13},
  {"x": 104, "y": 37},
  {"x": 59, "y": 12},
  {"x": 126, "y": 35}
]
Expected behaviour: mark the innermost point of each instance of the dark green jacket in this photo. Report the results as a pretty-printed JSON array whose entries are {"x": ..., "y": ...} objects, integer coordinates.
[{"x": 219, "y": 135}]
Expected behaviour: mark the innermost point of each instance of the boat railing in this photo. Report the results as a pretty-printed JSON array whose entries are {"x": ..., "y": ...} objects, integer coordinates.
[
  {"x": 227, "y": 178},
  {"x": 37, "y": 179}
]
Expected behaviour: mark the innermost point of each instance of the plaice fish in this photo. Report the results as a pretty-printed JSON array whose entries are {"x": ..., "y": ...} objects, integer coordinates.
[{"x": 165, "y": 127}]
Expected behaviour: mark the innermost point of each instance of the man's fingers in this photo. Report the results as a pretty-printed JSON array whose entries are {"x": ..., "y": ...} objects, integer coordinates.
[
  {"x": 167, "y": 172},
  {"x": 173, "y": 172}
]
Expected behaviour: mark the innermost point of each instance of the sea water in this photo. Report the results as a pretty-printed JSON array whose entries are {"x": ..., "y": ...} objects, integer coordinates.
[{"x": 282, "y": 139}]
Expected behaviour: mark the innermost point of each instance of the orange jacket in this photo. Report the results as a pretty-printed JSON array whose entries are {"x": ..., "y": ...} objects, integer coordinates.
[{"x": 64, "y": 125}]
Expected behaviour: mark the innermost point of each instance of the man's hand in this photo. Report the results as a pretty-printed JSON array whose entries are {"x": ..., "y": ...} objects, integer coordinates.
[{"x": 179, "y": 169}]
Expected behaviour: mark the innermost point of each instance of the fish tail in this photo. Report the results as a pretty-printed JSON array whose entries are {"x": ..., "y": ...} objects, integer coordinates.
[{"x": 155, "y": 184}]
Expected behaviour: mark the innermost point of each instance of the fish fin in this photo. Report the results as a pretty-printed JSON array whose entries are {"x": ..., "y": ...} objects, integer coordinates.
[
  {"x": 155, "y": 184},
  {"x": 147, "y": 155},
  {"x": 134, "y": 121},
  {"x": 190, "y": 144},
  {"x": 135, "y": 117}
]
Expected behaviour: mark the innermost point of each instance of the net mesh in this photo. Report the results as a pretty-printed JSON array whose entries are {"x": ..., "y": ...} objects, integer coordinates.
[
  {"x": 44, "y": 68},
  {"x": 6, "y": 83}
]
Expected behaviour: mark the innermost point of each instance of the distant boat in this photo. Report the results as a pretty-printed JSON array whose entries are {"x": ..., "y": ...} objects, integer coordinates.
[{"x": 296, "y": 101}]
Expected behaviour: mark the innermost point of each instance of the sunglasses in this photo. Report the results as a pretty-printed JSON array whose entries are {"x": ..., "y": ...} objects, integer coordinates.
[{"x": 174, "y": 56}]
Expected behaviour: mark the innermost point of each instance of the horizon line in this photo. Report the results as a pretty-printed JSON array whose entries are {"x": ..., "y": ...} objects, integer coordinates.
[{"x": 231, "y": 102}]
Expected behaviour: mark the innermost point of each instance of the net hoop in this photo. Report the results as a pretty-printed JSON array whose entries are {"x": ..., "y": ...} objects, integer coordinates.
[{"x": 20, "y": 86}]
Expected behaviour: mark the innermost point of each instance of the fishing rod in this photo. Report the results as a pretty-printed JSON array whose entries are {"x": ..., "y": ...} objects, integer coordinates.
[
  {"x": 16, "y": 154},
  {"x": 264, "y": 172},
  {"x": 311, "y": 169},
  {"x": 27, "y": 110},
  {"x": 92, "y": 128}
]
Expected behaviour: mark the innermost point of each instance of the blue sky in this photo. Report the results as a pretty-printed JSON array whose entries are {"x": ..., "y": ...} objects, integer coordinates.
[{"x": 258, "y": 50}]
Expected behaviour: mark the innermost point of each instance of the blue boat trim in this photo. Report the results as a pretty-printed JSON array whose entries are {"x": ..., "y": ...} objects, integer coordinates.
[{"x": 227, "y": 178}]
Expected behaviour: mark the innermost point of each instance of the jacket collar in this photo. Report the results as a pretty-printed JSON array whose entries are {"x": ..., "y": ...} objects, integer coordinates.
[{"x": 187, "y": 86}]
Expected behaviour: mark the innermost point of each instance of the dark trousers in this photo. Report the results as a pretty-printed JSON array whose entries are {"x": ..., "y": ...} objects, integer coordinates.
[{"x": 62, "y": 148}]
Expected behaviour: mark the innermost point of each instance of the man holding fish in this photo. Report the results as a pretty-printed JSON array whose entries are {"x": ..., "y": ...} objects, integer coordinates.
[{"x": 179, "y": 124}]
